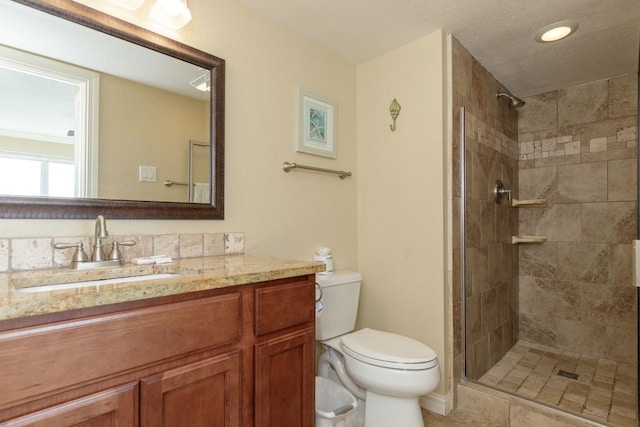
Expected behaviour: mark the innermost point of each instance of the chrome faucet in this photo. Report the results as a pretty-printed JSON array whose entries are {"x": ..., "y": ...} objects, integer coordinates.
[{"x": 100, "y": 234}]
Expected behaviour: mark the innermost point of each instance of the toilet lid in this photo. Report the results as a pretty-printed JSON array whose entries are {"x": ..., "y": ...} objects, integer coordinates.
[{"x": 388, "y": 350}]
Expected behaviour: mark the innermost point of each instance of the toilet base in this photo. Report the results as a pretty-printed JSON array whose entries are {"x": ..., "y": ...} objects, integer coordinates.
[{"x": 385, "y": 411}]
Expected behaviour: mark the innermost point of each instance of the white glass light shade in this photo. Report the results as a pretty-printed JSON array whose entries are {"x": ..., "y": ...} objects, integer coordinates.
[
  {"x": 557, "y": 31},
  {"x": 128, "y": 4},
  {"x": 172, "y": 13}
]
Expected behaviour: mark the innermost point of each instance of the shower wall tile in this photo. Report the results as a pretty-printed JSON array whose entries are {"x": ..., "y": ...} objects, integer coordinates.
[
  {"x": 534, "y": 331},
  {"x": 489, "y": 311},
  {"x": 539, "y": 260},
  {"x": 609, "y": 222},
  {"x": 527, "y": 295},
  {"x": 473, "y": 321},
  {"x": 608, "y": 305},
  {"x": 621, "y": 184},
  {"x": 560, "y": 222},
  {"x": 478, "y": 268},
  {"x": 586, "y": 303},
  {"x": 583, "y": 104},
  {"x": 479, "y": 90},
  {"x": 556, "y": 300},
  {"x": 538, "y": 183},
  {"x": 502, "y": 294},
  {"x": 495, "y": 346},
  {"x": 492, "y": 153},
  {"x": 541, "y": 113},
  {"x": 583, "y": 262},
  {"x": 623, "y": 96},
  {"x": 585, "y": 182},
  {"x": 461, "y": 68},
  {"x": 620, "y": 265}
]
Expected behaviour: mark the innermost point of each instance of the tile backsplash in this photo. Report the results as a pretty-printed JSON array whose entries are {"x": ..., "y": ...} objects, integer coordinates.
[{"x": 38, "y": 253}]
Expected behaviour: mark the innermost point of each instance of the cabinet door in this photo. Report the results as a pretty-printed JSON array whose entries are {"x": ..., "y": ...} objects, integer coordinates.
[
  {"x": 117, "y": 407},
  {"x": 201, "y": 394},
  {"x": 285, "y": 381}
]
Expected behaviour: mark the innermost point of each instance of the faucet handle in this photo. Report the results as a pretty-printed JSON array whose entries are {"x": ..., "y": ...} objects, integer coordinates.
[
  {"x": 116, "y": 253},
  {"x": 79, "y": 255}
]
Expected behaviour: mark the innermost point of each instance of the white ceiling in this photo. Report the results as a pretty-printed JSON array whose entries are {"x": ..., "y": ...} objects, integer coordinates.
[{"x": 499, "y": 33}]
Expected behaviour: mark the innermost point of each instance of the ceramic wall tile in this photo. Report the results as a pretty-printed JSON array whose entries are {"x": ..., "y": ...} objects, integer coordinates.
[
  {"x": 620, "y": 264},
  {"x": 583, "y": 104},
  {"x": 585, "y": 182},
  {"x": 621, "y": 180},
  {"x": 213, "y": 244},
  {"x": 559, "y": 223},
  {"x": 191, "y": 245},
  {"x": 583, "y": 262},
  {"x": 28, "y": 254},
  {"x": 623, "y": 96},
  {"x": 609, "y": 222},
  {"x": 234, "y": 243},
  {"x": 4, "y": 254},
  {"x": 540, "y": 113},
  {"x": 167, "y": 244}
]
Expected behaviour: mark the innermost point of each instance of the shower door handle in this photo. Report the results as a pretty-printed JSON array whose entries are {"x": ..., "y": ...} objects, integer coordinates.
[{"x": 636, "y": 263}]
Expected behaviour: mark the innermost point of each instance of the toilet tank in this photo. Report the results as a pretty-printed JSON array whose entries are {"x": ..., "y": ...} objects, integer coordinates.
[{"x": 340, "y": 293}]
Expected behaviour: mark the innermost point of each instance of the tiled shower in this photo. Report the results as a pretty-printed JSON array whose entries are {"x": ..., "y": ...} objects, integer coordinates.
[{"x": 569, "y": 297}]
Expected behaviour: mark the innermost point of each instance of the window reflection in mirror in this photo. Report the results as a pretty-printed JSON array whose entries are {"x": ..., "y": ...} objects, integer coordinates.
[{"x": 47, "y": 113}]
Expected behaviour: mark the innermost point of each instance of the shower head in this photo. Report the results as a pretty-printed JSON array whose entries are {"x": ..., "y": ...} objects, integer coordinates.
[{"x": 515, "y": 103}]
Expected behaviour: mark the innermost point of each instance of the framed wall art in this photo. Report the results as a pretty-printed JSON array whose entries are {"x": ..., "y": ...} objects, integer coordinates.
[{"x": 316, "y": 125}]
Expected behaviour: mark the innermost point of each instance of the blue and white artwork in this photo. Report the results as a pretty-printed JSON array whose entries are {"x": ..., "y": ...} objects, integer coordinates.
[{"x": 317, "y": 125}]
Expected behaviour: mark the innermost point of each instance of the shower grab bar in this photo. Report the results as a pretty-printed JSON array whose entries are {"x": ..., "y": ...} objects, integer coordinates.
[
  {"x": 287, "y": 166},
  {"x": 169, "y": 183}
]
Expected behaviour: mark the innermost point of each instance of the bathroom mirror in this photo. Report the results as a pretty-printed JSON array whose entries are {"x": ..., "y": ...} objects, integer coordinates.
[{"x": 131, "y": 152}]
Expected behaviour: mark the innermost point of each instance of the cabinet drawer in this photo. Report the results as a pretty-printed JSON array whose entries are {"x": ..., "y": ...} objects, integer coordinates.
[
  {"x": 49, "y": 358},
  {"x": 282, "y": 306}
]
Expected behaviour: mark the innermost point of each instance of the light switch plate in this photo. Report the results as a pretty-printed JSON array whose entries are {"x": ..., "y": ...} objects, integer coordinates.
[{"x": 147, "y": 173}]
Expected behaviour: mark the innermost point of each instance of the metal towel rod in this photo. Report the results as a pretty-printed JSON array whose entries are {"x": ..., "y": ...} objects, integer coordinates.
[
  {"x": 169, "y": 183},
  {"x": 287, "y": 166}
]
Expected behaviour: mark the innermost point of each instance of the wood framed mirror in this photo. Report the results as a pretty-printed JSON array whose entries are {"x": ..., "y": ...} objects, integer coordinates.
[{"x": 148, "y": 192}]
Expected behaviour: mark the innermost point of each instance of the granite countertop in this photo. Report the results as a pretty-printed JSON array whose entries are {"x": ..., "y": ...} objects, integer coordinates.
[{"x": 195, "y": 274}]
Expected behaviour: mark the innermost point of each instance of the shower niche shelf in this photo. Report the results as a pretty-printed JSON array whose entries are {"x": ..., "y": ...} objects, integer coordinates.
[
  {"x": 528, "y": 203},
  {"x": 516, "y": 240}
]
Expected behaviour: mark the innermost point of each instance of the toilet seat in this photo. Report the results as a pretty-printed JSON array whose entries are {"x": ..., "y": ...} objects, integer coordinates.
[{"x": 388, "y": 350}]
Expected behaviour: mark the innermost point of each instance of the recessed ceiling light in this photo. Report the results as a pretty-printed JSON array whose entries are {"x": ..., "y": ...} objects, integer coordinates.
[{"x": 557, "y": 31}]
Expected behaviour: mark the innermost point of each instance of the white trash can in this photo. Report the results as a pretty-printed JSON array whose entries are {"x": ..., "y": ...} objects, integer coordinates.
[{"x": 335, "y": 405}]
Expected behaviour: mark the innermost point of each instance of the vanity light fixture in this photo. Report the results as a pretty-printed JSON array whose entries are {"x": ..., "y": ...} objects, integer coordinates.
[
  {"x": 202, "y": 82},
  {"x": 128, "y": 4},
  {"x": 172, "y": 13},
  {"x": 557, "y": 31}
]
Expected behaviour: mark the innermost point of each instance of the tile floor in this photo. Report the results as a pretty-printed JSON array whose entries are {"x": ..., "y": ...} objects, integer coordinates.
[{"x": 597, "y": 389}]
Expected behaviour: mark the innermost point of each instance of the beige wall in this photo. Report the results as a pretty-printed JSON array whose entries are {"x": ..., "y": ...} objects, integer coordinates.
[
  {"x": 145, "y": 126},
  {"x": 285, "y": 215},
  {"x": 401, "y": 193}
]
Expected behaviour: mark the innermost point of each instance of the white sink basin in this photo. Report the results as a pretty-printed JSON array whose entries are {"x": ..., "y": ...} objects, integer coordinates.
[{"x": 74, "y": 285}]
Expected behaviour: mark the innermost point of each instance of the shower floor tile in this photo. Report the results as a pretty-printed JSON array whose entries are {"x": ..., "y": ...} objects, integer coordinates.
[{"x": 597, "y": 389}]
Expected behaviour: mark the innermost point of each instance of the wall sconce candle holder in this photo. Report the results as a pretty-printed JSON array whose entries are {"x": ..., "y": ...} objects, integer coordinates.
[{"x": 394, "y": 109}]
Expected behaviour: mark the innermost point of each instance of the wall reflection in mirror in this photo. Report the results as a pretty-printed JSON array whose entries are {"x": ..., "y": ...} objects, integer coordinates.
[{"x": 86, "y": 115}]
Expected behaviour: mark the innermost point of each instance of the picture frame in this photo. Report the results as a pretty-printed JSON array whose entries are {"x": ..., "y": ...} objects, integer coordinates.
[{"x": 317, "y": 124}]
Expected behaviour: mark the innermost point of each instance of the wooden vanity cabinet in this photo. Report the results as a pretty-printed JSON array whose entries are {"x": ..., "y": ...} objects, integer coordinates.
[{"x": 239, "y": 356}]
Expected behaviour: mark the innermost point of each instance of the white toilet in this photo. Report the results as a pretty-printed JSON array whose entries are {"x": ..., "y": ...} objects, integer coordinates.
[{"x": 389, "y": 371}]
